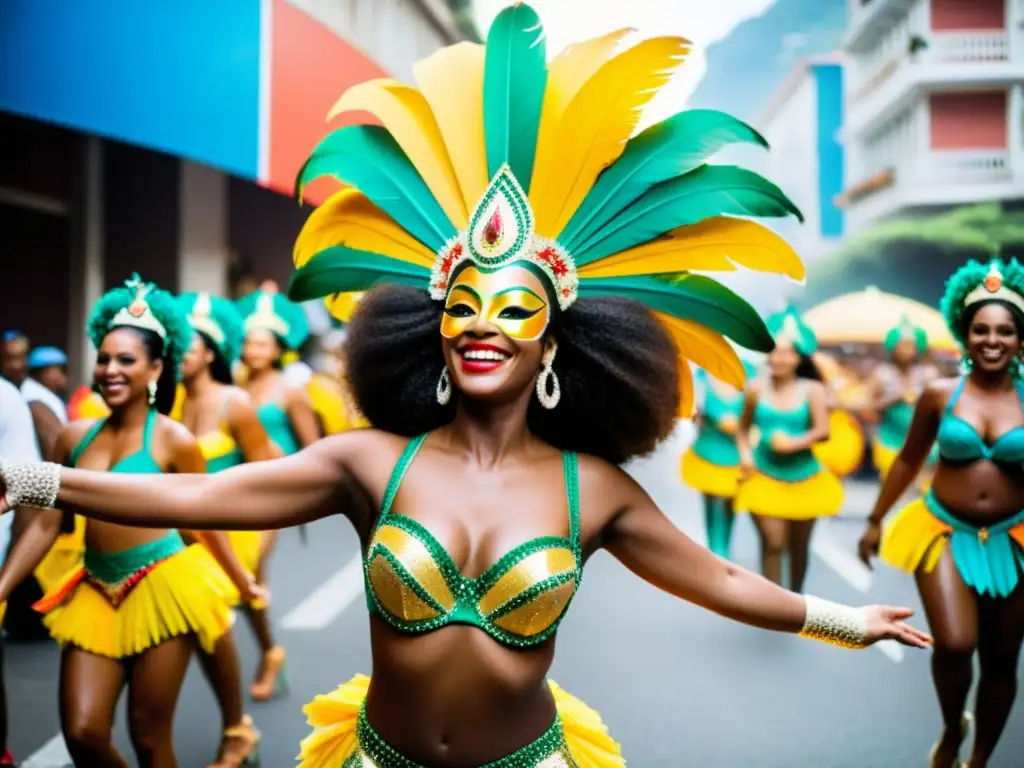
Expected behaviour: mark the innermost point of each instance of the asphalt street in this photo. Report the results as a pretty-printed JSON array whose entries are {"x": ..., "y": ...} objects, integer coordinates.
[{"x": 677, "y": 686}]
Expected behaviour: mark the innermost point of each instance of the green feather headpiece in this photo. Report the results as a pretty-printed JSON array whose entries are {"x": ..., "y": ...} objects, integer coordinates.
[
  {"x": 500, "y": 157},
  {"x": 975, "y": 282},
  {"x": 790, "y": 326},
  {"x": 219, "y": 319},
  {"x": 906, "y": 330},
  {"x": 142, "y": 305},
  {"x": 269, "y": 311}
]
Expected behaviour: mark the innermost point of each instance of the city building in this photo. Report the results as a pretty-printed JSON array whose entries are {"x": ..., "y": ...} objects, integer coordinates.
[
  {"x": 934, "y": 106},
  {"x": 164, "y": 139}
]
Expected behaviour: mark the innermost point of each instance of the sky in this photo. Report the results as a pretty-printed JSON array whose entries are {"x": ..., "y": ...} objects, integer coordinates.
[{"x": 702, "y": 22}]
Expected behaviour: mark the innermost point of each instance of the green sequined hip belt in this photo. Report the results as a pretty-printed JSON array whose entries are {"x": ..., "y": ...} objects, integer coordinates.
[
  {"x": 549, "y": 751},
  {"x": 115, "y": 574}
]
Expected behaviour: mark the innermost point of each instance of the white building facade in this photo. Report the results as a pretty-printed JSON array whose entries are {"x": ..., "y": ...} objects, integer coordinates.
[{"x": 934, "y": 105}]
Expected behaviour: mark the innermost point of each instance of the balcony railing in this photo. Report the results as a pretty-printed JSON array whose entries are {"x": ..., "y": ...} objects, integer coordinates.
[
  {"x": 935, "y": 171},
  {"x": 940, "y": 48},
  {"x": 954, "y": 47}
]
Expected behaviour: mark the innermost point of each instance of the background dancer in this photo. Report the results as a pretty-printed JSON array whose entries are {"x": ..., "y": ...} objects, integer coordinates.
[
  {"x": 130, "y": 615},
  {"x": 786, "y": 488},
  {"x": 711, "y": 464},
  {"x": 964, "y": 542},
  {"x": 273, "y": 326},
  {"x": 228, "y": 432}
]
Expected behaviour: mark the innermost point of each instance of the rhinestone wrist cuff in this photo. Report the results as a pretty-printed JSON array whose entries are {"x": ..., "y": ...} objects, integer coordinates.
[
  {"x": 834, "y": 624},
  {"x": 33, "y": 485}
]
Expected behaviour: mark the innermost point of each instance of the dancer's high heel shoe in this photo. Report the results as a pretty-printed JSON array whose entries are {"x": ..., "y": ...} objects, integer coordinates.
[
  {"x": 965, "y": 728},
  {"x": 273, "y": 681},
  {"x": 246, "y": 752}
]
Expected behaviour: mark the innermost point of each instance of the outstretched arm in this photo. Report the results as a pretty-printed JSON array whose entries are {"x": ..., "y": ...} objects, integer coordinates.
[
  {"x": 643, "y": 539},
  {"x": 314, "y": 483}
]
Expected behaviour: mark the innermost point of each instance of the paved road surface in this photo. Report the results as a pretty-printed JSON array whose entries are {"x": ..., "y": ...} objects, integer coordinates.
[{"x": 677, "y": 686}]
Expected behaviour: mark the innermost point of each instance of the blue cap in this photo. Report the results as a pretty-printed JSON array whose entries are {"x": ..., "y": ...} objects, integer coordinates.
[
  {"x": 43, "y": 357},
  {"x": 12, "y": 335}
]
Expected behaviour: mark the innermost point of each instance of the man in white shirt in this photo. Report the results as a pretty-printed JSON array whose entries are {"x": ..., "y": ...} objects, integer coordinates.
[{"x": 17, "y": 443}]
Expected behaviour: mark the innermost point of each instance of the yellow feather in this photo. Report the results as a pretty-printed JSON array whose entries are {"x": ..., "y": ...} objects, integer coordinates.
[
  {"x": 567, "y": 73},
  {"x": 706, "y": 348},
  {"x": 686, "y": 398},
  {"x": 407, "y": 116},
  {"x": 452, "y": 80},
  {"x": 717, "y": 244},
  {"x": 343, "y": 305},
  {"x": 349, "y": 218},
  {"x": 593, "y": 131}
]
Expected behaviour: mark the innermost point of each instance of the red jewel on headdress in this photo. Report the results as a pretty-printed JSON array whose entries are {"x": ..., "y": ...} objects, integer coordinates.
[
  {"x": 137, "y": 308},
  {"x": 493, "y": 229},
  {"x": 993, "y": 280}
]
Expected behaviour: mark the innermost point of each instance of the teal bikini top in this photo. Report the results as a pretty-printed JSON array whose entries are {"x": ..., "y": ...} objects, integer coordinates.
[
  {"x": 712, "y": 444},
  {"x": 139, "y": 463},
  {"x": 787, "y": 467},
  {"x": 414, "y": 586},
  {"x": 959, "y": 441},
  {"x": 278, "y": 427}
]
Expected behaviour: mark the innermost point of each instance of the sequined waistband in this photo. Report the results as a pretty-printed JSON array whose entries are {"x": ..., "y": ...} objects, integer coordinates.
[
  {"x": 114, "y": 567},
  {"x": 548, "y": 751}
]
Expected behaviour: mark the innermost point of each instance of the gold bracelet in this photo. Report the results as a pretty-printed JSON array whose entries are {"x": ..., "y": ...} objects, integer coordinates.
[{"x": 834, "y": 624}]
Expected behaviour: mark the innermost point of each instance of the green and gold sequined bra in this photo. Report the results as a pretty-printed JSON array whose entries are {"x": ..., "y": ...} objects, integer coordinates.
[{"x": 414, "y": 586}]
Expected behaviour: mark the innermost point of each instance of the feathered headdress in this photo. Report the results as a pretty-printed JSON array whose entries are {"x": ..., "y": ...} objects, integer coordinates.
[
  {"x": 788, "y": 325},
  {"x": 267, "y": 310},
  {"x": 906, "y": 330},
  {"x": 218, "y": 319},
  {"x": 501, "y": 157},
  {"x": 143, "y": 305},
  {"x": 976, "y": 282}
]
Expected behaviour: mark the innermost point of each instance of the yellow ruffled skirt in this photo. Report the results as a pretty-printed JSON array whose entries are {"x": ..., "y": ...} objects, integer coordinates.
[
  {"x": 707, "y": 478},
  {"x": 334, "y": 718},
  {"x": 843, "y": 452},
  {"x": 64, "y": 557},
  {"x": 820, "y": 495},
  {"x": 184, "y": 594}
]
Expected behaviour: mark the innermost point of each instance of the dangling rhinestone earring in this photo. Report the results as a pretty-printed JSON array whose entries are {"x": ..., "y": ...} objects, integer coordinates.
[
  {"x": 151, "y": 388},
  {"x": 444, "y": 387},
  {"x": 548, "y": 380}
]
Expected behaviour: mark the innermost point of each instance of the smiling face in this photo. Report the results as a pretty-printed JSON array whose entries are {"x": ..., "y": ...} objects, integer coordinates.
[
  {"x": 124, "y": 368},
  {"x": 992, "y": 338},
  {"x": 261, "y": 350},
  {"x": 491, "y": 331},
  {"x": 905, "y": 351}
]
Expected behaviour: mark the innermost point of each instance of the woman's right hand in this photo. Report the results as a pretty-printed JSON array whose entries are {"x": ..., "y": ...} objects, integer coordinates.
[
  {"x": 867, "y": 547},
  {"x": 746, "y": 465}
]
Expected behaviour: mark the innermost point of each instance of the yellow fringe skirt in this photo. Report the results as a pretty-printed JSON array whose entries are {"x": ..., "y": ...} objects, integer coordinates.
[
  {"x": 707, "y": 478},
  {"x": 843, "y": 452},
  {"x": 185, "y": 593},
  {"x": 335, "y": 719},
  {"x": 820, "y": 495}
]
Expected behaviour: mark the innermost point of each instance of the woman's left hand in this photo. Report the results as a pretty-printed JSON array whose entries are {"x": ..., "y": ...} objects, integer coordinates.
[
  {"x": 254, "y": 592},
  {"x": 885, "y": 622},
  {"x": 780, "y": 442}
]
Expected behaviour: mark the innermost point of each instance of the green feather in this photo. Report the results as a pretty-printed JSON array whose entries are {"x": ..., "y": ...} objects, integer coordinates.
[
  {"x": 690, "y": 297},
  {"x": 339, "y": 269},
  {"x": 711, "y": 190},
  {"x": 515, "y": 76},
  {"x": 662, "y": 152},
  {"x": 368, "y": 158}
]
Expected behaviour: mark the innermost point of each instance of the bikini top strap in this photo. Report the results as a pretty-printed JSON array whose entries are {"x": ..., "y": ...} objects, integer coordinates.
[
  {"x": 397, "y": 475},
  {"x": 76, "y": 452},
  {"x": 571, "y": 465},
  {"x": 956, "y": 395},
  {"x": 147, "y": 432}
]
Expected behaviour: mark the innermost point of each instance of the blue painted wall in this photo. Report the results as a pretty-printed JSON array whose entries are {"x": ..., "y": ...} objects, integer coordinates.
[
  {"x": 831, "y": 181},
  {"x": 181, "y": 77}
]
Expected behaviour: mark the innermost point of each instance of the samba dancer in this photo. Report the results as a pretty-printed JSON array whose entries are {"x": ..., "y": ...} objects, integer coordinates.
[
  {"x": 490, "y": 476},
  {"x": 964, "y": 541}
]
